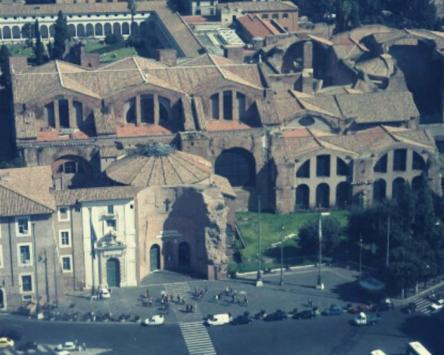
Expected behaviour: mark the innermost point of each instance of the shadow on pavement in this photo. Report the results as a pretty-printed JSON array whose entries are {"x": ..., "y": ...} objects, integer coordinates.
[{"x": 349, "y": 292}]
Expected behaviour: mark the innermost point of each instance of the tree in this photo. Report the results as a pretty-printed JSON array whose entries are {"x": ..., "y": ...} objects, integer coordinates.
[
  {"x": 331, "y": 235},
  {"x": 39, "y": 48},
  {"x": 61, "y": 36},
  {"x": 132, "y": 7},
  {"x": 425, "y": 218},
  {"x": 28, "y": 32},
  {"x": 5, "y": 77}
]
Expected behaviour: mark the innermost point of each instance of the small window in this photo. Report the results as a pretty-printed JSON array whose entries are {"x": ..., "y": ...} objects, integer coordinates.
[
  {"x": 265, "y": 16},
  {"x": 24, "y": 254},
  {"x": 65, "y": 238},
  {"x": 110, "y": 209},
  {"x": 275, "y": 16},
  {"x": 63, "y": 213},
  {"x": 111, "y": 224},
  {"x": 26, "y": 283},
  {"x": 284, "y": 15},
  {"x": 67, "y": 263},
  {"x": 23, "y": 227}
]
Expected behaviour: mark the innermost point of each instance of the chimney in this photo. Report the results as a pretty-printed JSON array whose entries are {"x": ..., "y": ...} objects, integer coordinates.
[
  {"x": 235, "y": 53},
  {"x": 89, "y": 60},
  {"x": 167, "y": 56},
  {"x": 307, "y": 55}
]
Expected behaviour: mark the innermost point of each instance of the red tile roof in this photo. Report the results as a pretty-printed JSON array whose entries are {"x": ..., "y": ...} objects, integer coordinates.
[
  {"x": 257, "y": 27},
  {"x": 131, "y": 130},
  {"x": 225, "y": 125}
]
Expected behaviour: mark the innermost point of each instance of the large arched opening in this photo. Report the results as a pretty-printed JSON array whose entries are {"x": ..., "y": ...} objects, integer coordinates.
[
  {"x": 379, "y": 190},
  {"x": 238, "y": 166},
  {"x": 302, "y": 197},
  {"x": 154, "y": 258},
  {"x": 343, "y": 194},
  {"x": 323, "y": 195}
]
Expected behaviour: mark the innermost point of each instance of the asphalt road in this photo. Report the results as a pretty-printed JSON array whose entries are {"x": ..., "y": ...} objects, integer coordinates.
[{"x": 322, "y": 336}]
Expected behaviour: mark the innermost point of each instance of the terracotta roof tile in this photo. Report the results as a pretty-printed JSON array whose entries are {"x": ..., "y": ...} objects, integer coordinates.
[{"x": 131, "y": 130}]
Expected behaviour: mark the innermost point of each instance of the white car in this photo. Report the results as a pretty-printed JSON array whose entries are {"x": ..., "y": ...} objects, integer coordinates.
[
  {"x": 62, "y": 352},
  {"x": 219, "y": 319},
  {"x": 66, "y": 346},
  {"x": 158, "y": 319},
  {"x": 435, "y": 307},
  {"x": 105, "y": 294}
]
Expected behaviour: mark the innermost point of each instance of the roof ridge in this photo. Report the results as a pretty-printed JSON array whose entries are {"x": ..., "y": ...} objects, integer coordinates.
[
  {"x": 59, "y": 73},
  {"x": 386, "y": 130},
  {"x": 145, "y": 80},
  {"x": 25, "y": 197},
  {"x": 174, "y": 169},
  {"x": 317, "y": 140}
]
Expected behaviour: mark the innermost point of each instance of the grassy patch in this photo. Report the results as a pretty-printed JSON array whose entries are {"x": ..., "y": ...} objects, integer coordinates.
[
  {"x": 21, "y": 49},
  {"x": 271, "y": 225},
  {"x": 109, "y": 53}
]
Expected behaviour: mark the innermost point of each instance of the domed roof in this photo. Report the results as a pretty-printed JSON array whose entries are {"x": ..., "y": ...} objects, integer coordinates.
[{"x": 164, "y": 168}]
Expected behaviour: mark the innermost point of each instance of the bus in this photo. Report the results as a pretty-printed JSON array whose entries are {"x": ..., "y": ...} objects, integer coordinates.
[{"x": 416, "y": 348}]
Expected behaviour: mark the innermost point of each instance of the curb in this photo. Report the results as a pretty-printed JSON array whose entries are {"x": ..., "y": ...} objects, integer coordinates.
[{"x": 292, "y": 268}]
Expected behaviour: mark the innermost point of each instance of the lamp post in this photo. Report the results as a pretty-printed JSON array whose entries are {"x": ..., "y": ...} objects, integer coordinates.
[
  {"x": 281, "y": 281},
  {"x": 320, "y": 284},
  {"x": 360, "y": 258},
  {"x": 259, "y": 282}
]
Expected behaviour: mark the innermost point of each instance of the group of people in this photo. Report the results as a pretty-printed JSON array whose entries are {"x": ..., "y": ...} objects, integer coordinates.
[{"x": 232, "y": 295}]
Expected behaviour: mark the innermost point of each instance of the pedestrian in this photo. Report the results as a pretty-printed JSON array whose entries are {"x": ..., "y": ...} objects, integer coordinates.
[
  {"x": 216, "y": 298},
  {"x": 233, "y": 298},
  {"x": 147, "y": 293}
]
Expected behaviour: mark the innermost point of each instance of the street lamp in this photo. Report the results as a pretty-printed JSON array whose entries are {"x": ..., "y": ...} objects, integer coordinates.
[
  {"x": 281, "y": 282},
  {"x": 320, "y": 284},
  {"x": 259, "y": 282}
]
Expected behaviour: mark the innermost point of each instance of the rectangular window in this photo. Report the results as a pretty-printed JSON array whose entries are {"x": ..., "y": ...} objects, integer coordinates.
[
  {"x": 24, "y": 254},
  {"x": 285, "y": 15},
  {"x": 110, "y": 209},
  {"x": 275, "y": 16},
  {"x": 23, "y": 226},
  {"x": 111, "y": 224},
  {"x": 400, "y": 160},
  {"x": 63, "y": 214},
  {"x": 323, "y": 165},
  {"x": 26, "y": 283},
  {"x": 228, "y": 105},
  {"x": 65, "y": 238},
  {"x": 265, "y": 16},
  {"x": 67, "y": 263}
]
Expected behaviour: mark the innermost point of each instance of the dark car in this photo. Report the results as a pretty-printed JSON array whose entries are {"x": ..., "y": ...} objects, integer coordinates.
[
  {"x": 275, "y": 316},
  {"x": 26, "y": 346},
  {"x": 242, "y": 319},
  {"x": 307, "y": 314},
  {"x": 260, "y": 315},
  {"x": 333, "y": 310}
]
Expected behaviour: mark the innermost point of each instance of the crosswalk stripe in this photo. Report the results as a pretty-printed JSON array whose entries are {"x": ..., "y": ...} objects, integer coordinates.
[{"x": 196, "y": 338}]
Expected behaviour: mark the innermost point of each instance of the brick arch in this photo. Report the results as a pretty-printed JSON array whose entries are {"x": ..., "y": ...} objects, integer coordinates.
[
  {"x": 72, "y": 171},
  {"x": 238, "y": 165}
]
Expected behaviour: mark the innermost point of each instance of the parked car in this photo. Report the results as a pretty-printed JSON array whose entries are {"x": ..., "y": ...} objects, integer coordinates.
[
  {"x": 306, "y": 314},
  {"x": 26, "y": 346},
  {"x": 333, "y": 310},
  {"x": 275, "y": 316},
  {"x": 67, "y": 346},
  {"x": 435, "y": 307},
  {"x": 218, "y": 319},
  {"x": 385, "y": 305},
  {"x": 6, "y": 343},
  {"x": 104, "y": 293},
  {"x": 260, "y": 315},
  {"x": 242, "y": 319},
  {"x": 156, "y": 320}
]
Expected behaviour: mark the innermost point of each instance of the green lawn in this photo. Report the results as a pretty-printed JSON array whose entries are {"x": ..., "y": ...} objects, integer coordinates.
[
  {"x": 20, "y": 50},
  {"x": 109, "y": 53},
  {"x": 271, "y": 225}
]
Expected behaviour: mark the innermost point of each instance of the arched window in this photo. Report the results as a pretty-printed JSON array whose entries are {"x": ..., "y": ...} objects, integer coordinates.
[
  {"x": 108, "y": 29},
  {"x": 397, "y": 187},
  {"x": 117, "y": 29},
  {"x": 381, "y": 165},
  {"x": 134, "y": 28},
  {"x": 416, "y": 182},
  {"x": 51, "y": 30},
  {"x": 164, "y": 111},
  {"x": 323, "y": 165},
  {"x": 323, "y": 195},
  {"x": 302, "y": 197},
  {"x": 44, "y": 31},
  {"x": 147, "y": 108},
  {"x": 304, "y": 170},
  {"x": 343, "y": 194},
  {"x": 155, "y": 258},
  {"x": 241, "y": 105},
  {"x": 80, "y": 30},
  {"x": 16, "y": 32},
  {"x": 131, "y": 111},
  {"x": 7, "y": 32},
  {"x": 238, "y": 166},
  {"x": 379, "y": 190},
  {"x": 72, "y": 30},
  {"x": 125, "y": 28},
  {"x": 306, "y": 121},
  {"x": 99, "y": 29},
  {"x": 89, "y": 30}
]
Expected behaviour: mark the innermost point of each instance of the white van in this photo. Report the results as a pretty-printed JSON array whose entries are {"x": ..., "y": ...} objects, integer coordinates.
[{"x": 219, "y": 319}]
